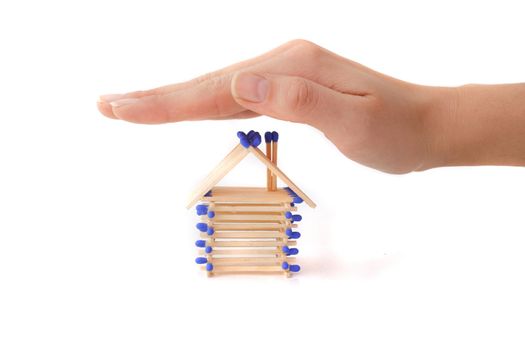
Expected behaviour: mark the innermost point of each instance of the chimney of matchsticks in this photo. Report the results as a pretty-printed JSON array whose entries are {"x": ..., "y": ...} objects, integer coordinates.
[{"x": 271, "y": 139}]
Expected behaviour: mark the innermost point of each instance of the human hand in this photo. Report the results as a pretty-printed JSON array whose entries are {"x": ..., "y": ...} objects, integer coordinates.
[{"x": 373, "y": 119}]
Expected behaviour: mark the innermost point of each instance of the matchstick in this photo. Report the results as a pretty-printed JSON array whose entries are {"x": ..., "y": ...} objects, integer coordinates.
[
  {"x": 245, "y": 217},
  {"x": 250, "y": 261},
  {"x": 220, "y": 211},
  {"x": 245, "y": 235},
  {"x": 272, "y": 197},
  {"x": 245, "y": 252},
  {"x": 268, "y": 141},
  {"x": 241, "y": 226},
  {"x": 245, "y": 244},
  {"x": 275, "y": 138},
  {"x": 250, "y": 208},
  {"x": 250, "y": 269}
]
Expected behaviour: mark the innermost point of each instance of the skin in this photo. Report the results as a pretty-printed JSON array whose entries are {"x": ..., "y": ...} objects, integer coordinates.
[{"x": 376, "y": 120}]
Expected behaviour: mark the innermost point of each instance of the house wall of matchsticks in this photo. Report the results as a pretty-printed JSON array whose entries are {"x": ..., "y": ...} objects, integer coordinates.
[{"x": 249, "y": 229}]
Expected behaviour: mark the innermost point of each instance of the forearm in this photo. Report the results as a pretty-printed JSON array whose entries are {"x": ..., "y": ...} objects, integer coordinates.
[{"x": 476, "y": 125}]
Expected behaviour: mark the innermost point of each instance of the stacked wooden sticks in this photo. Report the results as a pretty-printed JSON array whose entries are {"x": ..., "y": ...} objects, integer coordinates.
[
  {"x": 250, "y": 229},
  {"x": 247, "y": 236}
]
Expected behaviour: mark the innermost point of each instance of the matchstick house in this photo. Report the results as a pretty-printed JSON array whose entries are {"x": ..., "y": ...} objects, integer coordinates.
[{"x": 248, "y": 229}]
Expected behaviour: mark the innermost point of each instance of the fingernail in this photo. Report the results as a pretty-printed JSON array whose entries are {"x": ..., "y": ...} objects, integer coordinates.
[
  {"x": 251, "y": 87},
  {"x": 109, "y": 98},
  {"x": 123, "y": 102}
]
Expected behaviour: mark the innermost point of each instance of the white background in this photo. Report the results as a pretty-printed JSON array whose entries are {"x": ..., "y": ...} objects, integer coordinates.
[{"x": 96, "y": 246}]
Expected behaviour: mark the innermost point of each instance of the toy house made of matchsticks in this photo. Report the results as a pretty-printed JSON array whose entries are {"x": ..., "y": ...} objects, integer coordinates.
[{"x": 248, "y": 229}]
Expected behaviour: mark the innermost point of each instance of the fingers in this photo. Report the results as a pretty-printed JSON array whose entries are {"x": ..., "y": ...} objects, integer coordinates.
[
  {"x": 211, "y": 98},
  {"x": 134, "y": 114},
  {"x": 104, "y": 106},
  {"x": 104, "y": 101},
  {"x": 294, "y": 99}
]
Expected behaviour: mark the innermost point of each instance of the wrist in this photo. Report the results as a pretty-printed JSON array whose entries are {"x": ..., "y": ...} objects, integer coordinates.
[
  {"x": 475, "y": 125},
  {"x": 439, "y": 111}
]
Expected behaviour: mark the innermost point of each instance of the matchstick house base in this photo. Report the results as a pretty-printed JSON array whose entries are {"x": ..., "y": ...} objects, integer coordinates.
[{"x": 248, "y": 230}]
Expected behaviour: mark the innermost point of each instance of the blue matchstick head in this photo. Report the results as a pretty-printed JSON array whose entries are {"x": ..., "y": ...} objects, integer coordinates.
[
  {"x": 245, "y": 142},
  {"x": 295, "y": 268},
  {"x": 288, "y": 215},
  {"x": 293, "y": 251},
  {"x": 285, "y": 249},
  {"x": 275, "y": 136},
  {"x": 201, "y": 209},
  {"x": 291, "y": 234},
  {"x": 268, "y": 137},
  {"x": 297, "y": 200},
  {"x": 208, "y": 250},
  {"x": 240, "y": 134},
  {"x": 211, "y": 214},
  {"x": 285, "y": 265},
  {"x": 200, "y": 243},
  {"x": 295, "y": 235},
  {"x": 296, "y": 217},
  {"x": 209, "y": 267},
  {"x": 256, "y": 140},
  {"x": 208, "y": 194},
  {"x": 210, "y": 231},
  {"x": 201, "y": 226},
  {"x": 201, "y": 260}
]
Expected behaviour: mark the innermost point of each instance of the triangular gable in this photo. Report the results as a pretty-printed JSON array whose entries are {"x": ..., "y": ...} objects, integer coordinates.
[
  {"x": 217, "y": 174},
  {"x": 230, "y": 161}
]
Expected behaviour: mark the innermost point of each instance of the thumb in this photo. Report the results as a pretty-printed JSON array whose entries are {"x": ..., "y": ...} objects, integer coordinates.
[{"x": 291, "y": 98}]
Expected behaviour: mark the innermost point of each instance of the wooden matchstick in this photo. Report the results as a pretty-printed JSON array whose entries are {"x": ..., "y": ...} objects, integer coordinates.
[
  {"x": 275, "y": 138},
  {"x": 257, "y": 244},
  {"x": 240, "y": 197},
  {"x": 223, "y": 217},
  {"x": 268, "y": 141},
  {"x": 251, "y": 269},
  {"x": 248, "y": 252},
  {"x": 241, "y": 214},
  {"x": 245, "y": 235},
  {"x": 249, "y": 261},
  {"x": 252, "y": 226},
  {"x": 240, "y": 208}
]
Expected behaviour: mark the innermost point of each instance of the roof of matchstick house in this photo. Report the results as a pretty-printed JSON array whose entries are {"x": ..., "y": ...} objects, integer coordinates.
[{"x": 248, "y": 144}]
